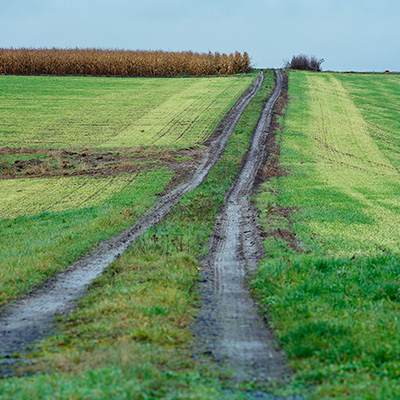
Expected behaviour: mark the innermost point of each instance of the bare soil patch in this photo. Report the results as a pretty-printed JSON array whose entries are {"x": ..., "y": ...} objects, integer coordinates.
[{"x": 38, "y": 163}]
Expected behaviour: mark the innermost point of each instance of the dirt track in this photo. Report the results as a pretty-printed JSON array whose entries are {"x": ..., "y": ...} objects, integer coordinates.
[
  {"x": 32, "y": 317},
  {"x": 229, "y": 326}
]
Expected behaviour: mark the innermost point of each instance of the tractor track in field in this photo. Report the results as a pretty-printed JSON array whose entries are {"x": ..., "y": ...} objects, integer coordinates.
[
  {"x": 229, "y": 327},
  {"x": 32, "y": 317}
]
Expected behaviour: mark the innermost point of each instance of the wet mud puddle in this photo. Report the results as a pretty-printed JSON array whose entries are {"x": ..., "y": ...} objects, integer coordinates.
[{"x": 228, "y": 325}]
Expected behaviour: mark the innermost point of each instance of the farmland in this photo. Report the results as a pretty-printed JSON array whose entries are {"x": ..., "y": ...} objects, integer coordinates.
[
  {"x": 64, "y": 112},
  {"x": 331, "y": 209},
  {"x": 124, "y": 338},
  {"x": 102, "y": 62},
  {"x": 329, "y": 206},
  {"x": 34, "y": 196},
  {"x": 56, "y": 230},
  {"x": 74, "y": 170}
]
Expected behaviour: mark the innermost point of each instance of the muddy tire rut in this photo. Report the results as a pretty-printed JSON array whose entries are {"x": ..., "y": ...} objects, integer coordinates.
[
  {"x": 229, "y": 326},
  {"x": 32, "y": 317}
]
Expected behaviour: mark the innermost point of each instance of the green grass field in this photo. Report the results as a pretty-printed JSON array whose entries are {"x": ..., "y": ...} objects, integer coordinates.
[
  {"x": 35, "y": 246},
  {"x": 64, "y": 112},
  {"x": 377, "y": 98},
  {"x": 333, "y": 290}
]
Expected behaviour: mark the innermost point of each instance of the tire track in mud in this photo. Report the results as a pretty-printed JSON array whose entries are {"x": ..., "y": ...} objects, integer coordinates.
[
  {"x": 32, "y": 317},
  {"x": 228, "y": 324}
]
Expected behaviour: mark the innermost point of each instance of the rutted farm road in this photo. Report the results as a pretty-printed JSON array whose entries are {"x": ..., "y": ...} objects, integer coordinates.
[{"x": 228, "y": 325}]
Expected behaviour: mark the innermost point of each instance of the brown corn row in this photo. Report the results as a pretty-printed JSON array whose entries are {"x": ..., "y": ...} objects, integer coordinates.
[{"x": 97, "y": 62}]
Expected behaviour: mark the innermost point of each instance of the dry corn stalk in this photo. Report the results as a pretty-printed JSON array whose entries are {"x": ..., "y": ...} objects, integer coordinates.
[{"x": 119, "y": 62}]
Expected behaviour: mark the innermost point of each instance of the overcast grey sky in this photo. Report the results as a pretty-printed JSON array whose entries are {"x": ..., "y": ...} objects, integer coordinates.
[{"x": 359, "y": 35}]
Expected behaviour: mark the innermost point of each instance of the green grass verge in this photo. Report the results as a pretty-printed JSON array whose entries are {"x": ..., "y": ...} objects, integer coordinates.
[
  {"x": 64, "y": 112},
  {"x": 333, "y": 294},
  {"x": 130, "y": 336}
]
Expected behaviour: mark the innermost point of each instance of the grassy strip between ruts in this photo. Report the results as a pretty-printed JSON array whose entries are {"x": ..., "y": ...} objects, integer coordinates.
[
  {"x": 129, "y": 335},
  {"x": 330, "y": 283}
]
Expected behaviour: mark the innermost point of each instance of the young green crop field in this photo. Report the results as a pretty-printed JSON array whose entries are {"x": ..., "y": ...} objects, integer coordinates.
[
  {"x": 64, "y": 112},
  {"x": 330, "y": 282},
  {"x": 81, "y": 158},
  {"x": 33, "y": 196}
]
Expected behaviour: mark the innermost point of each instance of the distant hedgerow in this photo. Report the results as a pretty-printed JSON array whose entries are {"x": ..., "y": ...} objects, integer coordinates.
[
  {"x": 303, "y": 62},
  {"x": 98, "y": 62}
]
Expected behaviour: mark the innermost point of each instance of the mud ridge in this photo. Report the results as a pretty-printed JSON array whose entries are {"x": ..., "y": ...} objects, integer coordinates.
[
  {"x": 228, "y": 325},
  {"x": 32, "y": 317}
]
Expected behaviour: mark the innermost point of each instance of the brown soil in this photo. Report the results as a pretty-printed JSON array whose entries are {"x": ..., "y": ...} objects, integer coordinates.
[
  {"x": 271, "y": 167},
  {"x": 72, "y": 162}
]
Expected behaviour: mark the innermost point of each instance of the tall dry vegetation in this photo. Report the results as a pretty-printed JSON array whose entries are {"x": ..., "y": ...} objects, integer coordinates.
[{"x": 119, "y": 62}]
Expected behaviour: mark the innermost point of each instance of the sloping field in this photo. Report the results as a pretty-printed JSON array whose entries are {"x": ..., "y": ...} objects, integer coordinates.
[
  {"x": 331, "y": 209},
  {"x": 48, "y": 222},
  {"x": 64, "y": 112},
  {"x": 353, "y": 181},
  {"x": 65, "y": 140},
  {"x": 129, "y": 337}
]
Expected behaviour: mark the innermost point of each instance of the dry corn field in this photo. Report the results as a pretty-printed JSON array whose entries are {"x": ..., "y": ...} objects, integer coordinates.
[{"x": 97, "y": 62}]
